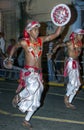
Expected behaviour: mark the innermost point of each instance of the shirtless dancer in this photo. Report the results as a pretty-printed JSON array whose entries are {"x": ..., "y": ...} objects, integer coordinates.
[
  {"x": 71, "y": 69},
  {"x": 28, "y": 100},
  {"x": 72, "y": 66}
]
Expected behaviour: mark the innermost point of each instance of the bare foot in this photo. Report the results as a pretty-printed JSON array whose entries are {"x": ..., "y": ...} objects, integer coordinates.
[
  {"x": 66, "y": 100},
  {"x": 27, "y": 124},
  {"x": 69, "y": 105}
]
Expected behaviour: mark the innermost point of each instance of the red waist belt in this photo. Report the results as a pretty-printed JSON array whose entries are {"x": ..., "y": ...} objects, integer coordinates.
[
  {"x": 24, "y": 74},
  {"x": 74, "y": 66},
  {"x": 35, "y": 69}
]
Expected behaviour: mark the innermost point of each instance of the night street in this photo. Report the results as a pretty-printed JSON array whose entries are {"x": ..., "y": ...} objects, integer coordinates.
[
  {"x": 53, "y": 115},
  {"x": 42, "y": 45}
]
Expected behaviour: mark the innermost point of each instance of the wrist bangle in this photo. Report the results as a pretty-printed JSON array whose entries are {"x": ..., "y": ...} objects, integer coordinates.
[{"x": 10, "y": 58}]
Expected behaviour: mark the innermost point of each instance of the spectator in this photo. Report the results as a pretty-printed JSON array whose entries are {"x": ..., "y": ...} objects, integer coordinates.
[
  {"x": 2, "y": 49},
  {"x": 12, "y": 42},
  {"x": 51, "y": 74},
  {"x": 2, "y": 43}
]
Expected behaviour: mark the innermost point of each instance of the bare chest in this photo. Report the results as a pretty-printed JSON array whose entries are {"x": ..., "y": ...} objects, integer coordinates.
[{"x": 35, "y": 50}]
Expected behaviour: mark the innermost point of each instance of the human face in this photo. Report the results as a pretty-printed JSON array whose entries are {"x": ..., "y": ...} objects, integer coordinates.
[{"x": 34, "y": 32}]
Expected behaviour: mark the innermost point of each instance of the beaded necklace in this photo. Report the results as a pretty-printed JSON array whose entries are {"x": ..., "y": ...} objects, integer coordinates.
[{"x": 32, "y": 49}]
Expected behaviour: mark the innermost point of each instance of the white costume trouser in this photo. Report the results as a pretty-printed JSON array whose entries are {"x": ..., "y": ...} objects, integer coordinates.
[
  {"x": 74, "y": 80},
  {"x": 31, "y": 95}
]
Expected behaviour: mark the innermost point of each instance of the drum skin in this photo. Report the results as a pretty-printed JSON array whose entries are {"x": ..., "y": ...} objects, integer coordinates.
[{"x": 60, "y": 15}]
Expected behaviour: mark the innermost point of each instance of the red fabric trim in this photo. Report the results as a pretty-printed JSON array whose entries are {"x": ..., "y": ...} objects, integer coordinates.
[
  {"x": 65, "y": 69},
  {"x": 24, "y": 74},
  {"x": 74, "y": 65},
  {"x": 40, "y": 41}
]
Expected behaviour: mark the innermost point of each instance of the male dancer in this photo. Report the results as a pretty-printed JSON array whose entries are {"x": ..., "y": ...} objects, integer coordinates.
[
  {"x": 72, "y": 66},
  {"x": 28, "y": 100}
]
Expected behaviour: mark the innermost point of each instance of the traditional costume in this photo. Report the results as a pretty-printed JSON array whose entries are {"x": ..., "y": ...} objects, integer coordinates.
[
  {"x": 71, "y": 70},
  {"x": 28, "y": 100},
  {"x": 30, "y": 96}
]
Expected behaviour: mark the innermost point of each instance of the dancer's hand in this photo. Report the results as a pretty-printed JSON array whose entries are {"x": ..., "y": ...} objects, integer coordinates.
[{"x": 8, "y": 63}]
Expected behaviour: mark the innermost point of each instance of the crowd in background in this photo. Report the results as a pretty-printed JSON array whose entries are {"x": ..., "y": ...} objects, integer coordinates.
[{"x": 5, "y": 51}]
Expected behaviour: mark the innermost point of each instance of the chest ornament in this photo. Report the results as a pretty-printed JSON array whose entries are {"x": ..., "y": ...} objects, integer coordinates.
[{"x": 31, "y": 48}]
